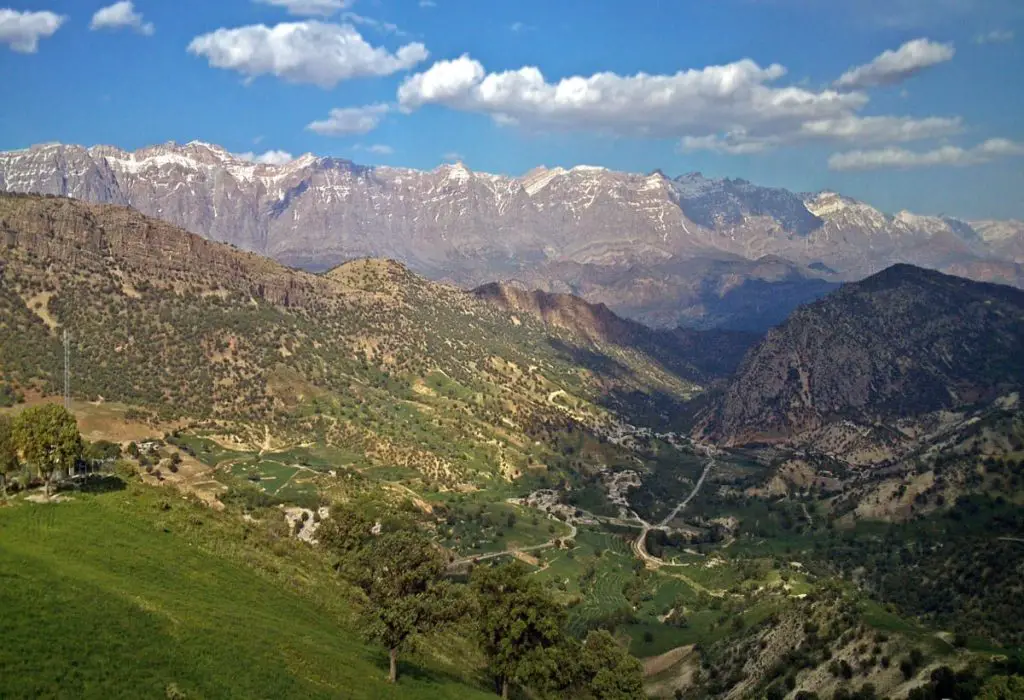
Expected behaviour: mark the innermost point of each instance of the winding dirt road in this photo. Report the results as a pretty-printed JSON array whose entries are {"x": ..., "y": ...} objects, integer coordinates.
[{"x": 639, "y": 545}]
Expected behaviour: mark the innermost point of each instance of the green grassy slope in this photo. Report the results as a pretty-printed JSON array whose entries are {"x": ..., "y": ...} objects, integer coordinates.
[{"x": 113, "y": 596}]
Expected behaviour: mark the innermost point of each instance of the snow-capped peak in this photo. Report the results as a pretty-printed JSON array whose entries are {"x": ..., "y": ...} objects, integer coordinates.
[{"x": 457, "y": 172}]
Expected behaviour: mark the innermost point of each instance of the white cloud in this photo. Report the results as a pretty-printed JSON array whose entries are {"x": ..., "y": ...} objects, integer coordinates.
[
  {"x": 21, "y": 31},
  {"x": 519, "y": 27},
  {"x": 121, "y": 15},
  {"x": 303, "y": 52},
  {"x": 351, "y": 120},
  {"x": 379, "y": 149},
  {"x": 310, "y": 8},
  {"x": 453, "y": 157},
  {"x": 736, "y": 108},
  {"x": 445, "y": 82},
  {"x": 892, "y": 67},
  {"x": 881, "y": 129},
  {"x": 902, "y": 159},
  {"x": 850, "y": 129},
  {"x": 734, "y": 143},
  {"x": 428, "y": 3},
  {"x": 268, "y": 158},
  {"x": 379, "y": 25},
  {"x": 996, "y": 36},
  {"x": 736, "y": 95}
]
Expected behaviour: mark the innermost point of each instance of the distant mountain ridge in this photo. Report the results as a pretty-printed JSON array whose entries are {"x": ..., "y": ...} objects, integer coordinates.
[{"x": 562, "y": 230}]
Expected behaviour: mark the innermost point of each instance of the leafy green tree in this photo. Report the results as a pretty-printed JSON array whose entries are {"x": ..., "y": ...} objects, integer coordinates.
[
  {"x": 49, "y": 440},
  {"x": 8, "y": 453},
  {"x": 519, "y": 625},
  {"x": 401, "y": 574},
  {"x": 609, "y": 672},
  {"x": 1003, "y": 688},
  {"x": 354, "y": 525}
]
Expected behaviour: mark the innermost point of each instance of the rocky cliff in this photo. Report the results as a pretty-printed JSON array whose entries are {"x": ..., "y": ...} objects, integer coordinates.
[{"x": 900, "y": 344}]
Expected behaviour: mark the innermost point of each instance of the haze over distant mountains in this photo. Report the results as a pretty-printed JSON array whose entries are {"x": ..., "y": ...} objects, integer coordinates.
[{"x": 691, "y": 250}]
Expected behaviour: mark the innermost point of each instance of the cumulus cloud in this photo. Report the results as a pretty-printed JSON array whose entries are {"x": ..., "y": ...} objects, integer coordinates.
[
  {"x": 268, "y": 158},
  {"x": 453, "y": 157},
  {"x": 737, "y": 108},
  {"x": 902, "y": 159},
  {"x": 21, "y": 31},
  {"x": 736, "y": 94},
  {"x": 893, "y": 67},
  {"x": 996, "y": 36},
  {"x": 310, "y": 8},
  {"x": 121, "y": 15},
  {"x": 303, "y": 52},
  {"x": 350, "y": 120}
]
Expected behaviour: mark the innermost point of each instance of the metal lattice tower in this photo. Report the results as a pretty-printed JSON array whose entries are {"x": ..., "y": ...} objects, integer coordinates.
[{"x": 67, "y": 370}]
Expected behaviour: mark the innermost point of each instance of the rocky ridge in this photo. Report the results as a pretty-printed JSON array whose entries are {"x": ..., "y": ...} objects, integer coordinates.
[
  {"x": 562, "y": 230},
  {"x": 876, "y": 356}
]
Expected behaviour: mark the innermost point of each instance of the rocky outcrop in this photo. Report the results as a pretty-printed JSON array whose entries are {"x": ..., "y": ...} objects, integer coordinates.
[
  {"x": 902, "y": 343},
  {"x": 64, "y": 231},
  {"x": 701, "y": 356}
]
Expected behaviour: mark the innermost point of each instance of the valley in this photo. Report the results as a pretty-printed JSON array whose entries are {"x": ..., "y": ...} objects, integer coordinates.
[{"x": 733, "y": 509}]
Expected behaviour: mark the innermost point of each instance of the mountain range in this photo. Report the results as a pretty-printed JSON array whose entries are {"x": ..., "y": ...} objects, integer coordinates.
[{"x": 690, "y": 250}]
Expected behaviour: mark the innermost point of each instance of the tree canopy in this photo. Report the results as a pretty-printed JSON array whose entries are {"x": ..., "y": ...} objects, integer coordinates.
[
  {"x": 49, "y": 440},
  {"x": 520, "y": 626},
  {"x": 401, "y": 574}
]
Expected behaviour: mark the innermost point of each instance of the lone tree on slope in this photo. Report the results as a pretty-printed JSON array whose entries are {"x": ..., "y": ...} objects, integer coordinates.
[
  {"x": 519, "y": 625},
  {"x": 401, "y": 574},
  {"x": 48, "y": 439}
]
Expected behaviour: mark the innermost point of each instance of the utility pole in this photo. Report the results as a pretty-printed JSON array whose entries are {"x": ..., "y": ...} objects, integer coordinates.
[
  {"x": 67, "y": 370},
  {"x": 67, "y": 383}
]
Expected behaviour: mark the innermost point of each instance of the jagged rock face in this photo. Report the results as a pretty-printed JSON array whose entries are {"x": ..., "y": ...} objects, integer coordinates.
[
  {"x": 701, "y": 356},
  {"x": 63, "y": 231},
  {"x": 470, "y": 228},
  {"x": 593, "y": 321},
  {"x": 725, "y": 204},
  {"x": 902, "y": 343}
]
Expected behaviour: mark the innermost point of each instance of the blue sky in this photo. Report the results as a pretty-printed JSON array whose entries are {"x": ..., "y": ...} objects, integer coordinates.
[{"x": 907, "y": 104}]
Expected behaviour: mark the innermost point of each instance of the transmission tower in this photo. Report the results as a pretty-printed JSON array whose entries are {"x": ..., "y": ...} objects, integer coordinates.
[{"x": 67, "y": 369}]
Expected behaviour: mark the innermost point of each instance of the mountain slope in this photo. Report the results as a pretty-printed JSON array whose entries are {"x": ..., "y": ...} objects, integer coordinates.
[
  {"x": 368, "y": 356},
  {"x": 547, "y": 228},
  {"x": 902, "y": 343},
  {"x": 181, "y": 598},
  {"x": 698, "y": 355}
]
